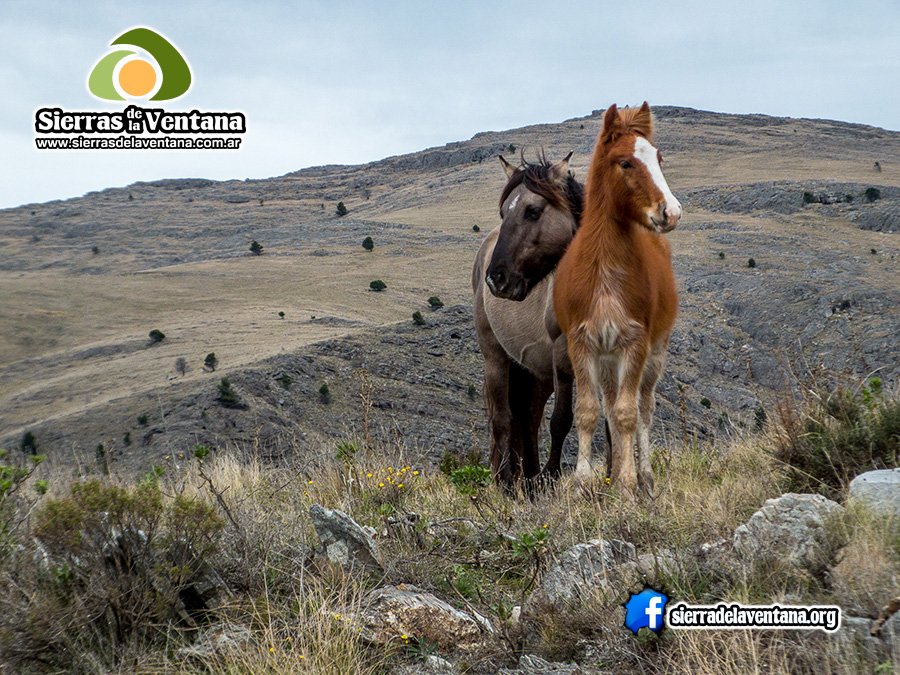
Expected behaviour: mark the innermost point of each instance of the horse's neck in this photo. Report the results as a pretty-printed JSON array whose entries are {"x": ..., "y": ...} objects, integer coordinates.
[{"x": 608, "y": 239}]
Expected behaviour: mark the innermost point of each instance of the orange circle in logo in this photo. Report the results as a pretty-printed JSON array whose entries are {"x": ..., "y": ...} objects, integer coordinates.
[{"x": 137, "y": 78}]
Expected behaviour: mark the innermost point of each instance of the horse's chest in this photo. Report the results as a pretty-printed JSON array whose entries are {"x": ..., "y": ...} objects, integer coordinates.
[
  {"x": 610, "y": 328},
  {"x": 519, "y": 328}
]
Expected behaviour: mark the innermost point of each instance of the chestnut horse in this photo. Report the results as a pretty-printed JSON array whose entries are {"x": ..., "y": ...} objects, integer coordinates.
[
  {"x": 615, "y": 296},
  {"x": 541, "y": 208}
]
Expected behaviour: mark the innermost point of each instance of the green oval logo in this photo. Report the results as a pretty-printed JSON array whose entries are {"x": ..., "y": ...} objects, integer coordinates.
[{"x": 126, "y": 73}]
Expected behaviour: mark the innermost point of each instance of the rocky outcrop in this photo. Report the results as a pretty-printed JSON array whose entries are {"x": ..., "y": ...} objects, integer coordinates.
[
  {"x": 530, "y": 664},
  {"x": 878, "y": 490},
  {"x": 218, "y": 640},
  {"x": 583, "y": 570},
  {"x": 344, "y": 541},
  {"x": 790, "y": 528},
  {"x": 396, "y": 614}
]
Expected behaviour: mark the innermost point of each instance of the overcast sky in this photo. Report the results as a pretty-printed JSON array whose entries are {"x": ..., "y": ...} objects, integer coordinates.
[{"x": 351, "y": 81}]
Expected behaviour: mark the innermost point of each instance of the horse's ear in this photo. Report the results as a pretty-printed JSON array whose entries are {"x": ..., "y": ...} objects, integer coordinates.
[
  {"x": 560, "y": 170},
  {"x": 507, "y": 167},
  {"x": 611, "y": 125},
  {"x": 642, "y": 122}
]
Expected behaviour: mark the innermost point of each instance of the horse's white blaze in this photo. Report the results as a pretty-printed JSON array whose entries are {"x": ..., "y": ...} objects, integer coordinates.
[
  {"x": 648, "y": 156},
  {"x": 512, "y": 206}
]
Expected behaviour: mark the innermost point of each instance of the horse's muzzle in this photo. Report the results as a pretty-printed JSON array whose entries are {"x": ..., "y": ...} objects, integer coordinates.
[{"x": 507, "y": 287}]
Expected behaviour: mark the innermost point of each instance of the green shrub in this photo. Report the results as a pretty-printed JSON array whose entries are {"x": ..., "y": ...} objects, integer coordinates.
[
  {"x": 228, "y": 397},
  {"x": 378, "y": 285},
  {"x": 751, "y": 263},
  {"x": 475, "y": 228},
  {"x": 284, "y": 380},
  {"x": 256, "y": 248},
  {"x": 418, "y": 319},
  {"x": 210, "y": 362},
  {"x": 842, "y": 435},
  {"x": 872, "y": 194},
  {"x": 281, "y": 315},
  {"x": 368, "y": 244},
  {"x": 143, "y": 419},
  {"x": 809, "y": 198},
  {"x": 156, "y": 336},
  {"x": 470, "y": 478},
  {"x": 29, "y": 443},
  {"x": 705, "y": 402},
  {"x": 435, "y": 302},
  {"x": 346, "y": 451},
  {"x": 117, "y": 565},
  {"x": 324, "y": 394},
  {"x": 341, "y": 210}
]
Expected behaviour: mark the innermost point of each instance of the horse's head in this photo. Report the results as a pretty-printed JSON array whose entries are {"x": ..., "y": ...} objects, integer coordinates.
[
  {"x": 540, "y": 207},
  {"x": 632, "y": 167}
]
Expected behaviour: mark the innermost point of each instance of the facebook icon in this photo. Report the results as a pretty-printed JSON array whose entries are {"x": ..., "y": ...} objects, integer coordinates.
[{"x": 645, "y": 610}]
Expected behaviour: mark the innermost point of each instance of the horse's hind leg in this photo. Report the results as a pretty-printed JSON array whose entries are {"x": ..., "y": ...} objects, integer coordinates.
[{"x": 647, "y": 405}]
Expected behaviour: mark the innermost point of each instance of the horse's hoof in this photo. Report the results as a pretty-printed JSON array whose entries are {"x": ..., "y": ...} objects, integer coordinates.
[
  {"x": 550, "y": 474},
  {"x": 645, "y": 486}
]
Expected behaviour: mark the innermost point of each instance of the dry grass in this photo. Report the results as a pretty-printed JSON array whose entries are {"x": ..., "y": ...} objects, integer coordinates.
[{"x": 481, "y": 551}]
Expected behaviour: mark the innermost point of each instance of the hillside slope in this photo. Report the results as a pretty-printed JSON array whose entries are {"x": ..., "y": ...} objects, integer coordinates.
[{"x": 75, "y": 367}]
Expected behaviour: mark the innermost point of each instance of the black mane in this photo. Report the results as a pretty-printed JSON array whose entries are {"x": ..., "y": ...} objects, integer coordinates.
[{"x": 537, "y": 178}]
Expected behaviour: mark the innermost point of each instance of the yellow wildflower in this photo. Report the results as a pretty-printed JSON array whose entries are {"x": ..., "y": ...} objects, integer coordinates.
[{"x": 416, "y": 472}]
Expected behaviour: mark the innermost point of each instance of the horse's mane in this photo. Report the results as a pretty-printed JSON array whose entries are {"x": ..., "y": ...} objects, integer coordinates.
[
  {"x": 628, "y": 120},
  {"x": 538, "y": 179}
]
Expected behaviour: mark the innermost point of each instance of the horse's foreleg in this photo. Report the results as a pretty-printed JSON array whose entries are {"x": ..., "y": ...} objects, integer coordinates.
[
  {"x": 587, "y": 408},
  {"x": 560, "y": 422},
  {"x": 496, "y": 394},
  {"x": 647, "y": 405},
  {"x": 624, "y": 416}
]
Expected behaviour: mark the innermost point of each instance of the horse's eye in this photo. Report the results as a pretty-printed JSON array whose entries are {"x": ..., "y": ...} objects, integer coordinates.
[
  {"x": 532, "y": 213},
  {"x": 625, "y": 164}
]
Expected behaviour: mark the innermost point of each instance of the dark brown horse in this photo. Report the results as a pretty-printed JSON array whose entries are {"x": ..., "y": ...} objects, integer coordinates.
[{"x": 512, "y": 281}]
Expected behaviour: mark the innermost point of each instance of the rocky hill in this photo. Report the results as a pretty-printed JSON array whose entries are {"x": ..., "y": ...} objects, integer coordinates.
[{"x": 786, "y": 261}]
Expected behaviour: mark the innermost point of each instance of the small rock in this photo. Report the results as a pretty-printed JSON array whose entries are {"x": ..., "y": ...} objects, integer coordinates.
[
  {"x": 529, "y": 664},
  {"x": 218, "y": 639},
  {"x": 581, "y": 570},
  {"x": 854, "y": 634},
  {"x": 652, "y": 565},
  {"x": 789, "y": 528},
  {"x": 393, "y": 611},
  {"x": 878, "y": 490},
  {"x": 430, "y": 665},
  {"x": 346, "y": 543}
]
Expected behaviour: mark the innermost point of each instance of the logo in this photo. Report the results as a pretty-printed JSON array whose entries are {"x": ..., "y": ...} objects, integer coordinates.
[
  {"x": 161, "y": 75},
  {"x": 645, "y": 610},
  {"x": 142, "y": 67}
]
